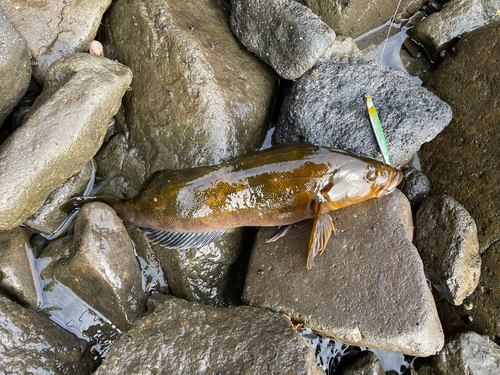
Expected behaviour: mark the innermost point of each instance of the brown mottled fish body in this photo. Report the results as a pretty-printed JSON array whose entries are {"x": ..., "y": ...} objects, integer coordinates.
[{"x": 275, "y": 187}]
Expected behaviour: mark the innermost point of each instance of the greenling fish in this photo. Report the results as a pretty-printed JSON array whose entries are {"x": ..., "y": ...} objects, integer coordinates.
[{"x": 279, "y": 186}]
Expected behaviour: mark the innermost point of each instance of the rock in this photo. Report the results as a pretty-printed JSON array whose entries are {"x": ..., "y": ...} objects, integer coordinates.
[
  {"x": 207, "y": 274},
  {"x": 327, "y": 107},
  {"x": 343, "y": 48},
  {"x": 16, "y": 262},
  {"x": 462, "y": 161},
  {"x": 365, "y": 363},
  {"x": 198, "y": 97},
  {"x": 458, "y": 17},
  {"x": 49, "y": 218},
  {"x": 63, "y": 130},
  {"x": 357, "y": 17},
  {"x": 465, "y": 354},
  {"x": 415, "y": 185},
  {"x": 101, "y": 258},
  {"x": 353, "y": 291},
  {"x": 120, "y": 168},
  {"x": 31, "y": 343},
  {"x": 446, "y": 238},
  {"x": 55, "y": 29},
  {"x": 285, "y": 34},
  {"x": 15, "y": 68},
  {"x": 180, "y": 337}
]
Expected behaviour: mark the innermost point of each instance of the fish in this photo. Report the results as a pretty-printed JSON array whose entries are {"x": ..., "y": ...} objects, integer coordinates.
[{"x": 279, "y": 186}]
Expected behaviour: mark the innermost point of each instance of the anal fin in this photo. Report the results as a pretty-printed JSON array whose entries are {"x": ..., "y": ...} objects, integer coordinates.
[
  {"x": 181, "y": 240},
  {"x": 280, "y": 232},
  {"x": 321, "y": 231}
]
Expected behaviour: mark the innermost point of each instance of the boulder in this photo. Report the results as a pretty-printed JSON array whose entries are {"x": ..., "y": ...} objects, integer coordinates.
[
  {"x": 327, "y": 107},
  {"x": 446, "y": 238},
  {"x": 198, "y": 97},
  {"x": 283, "y": 33},
  {"x": 365, "y": 363},
  {"x": 415, "y": 185},
  {"x": 54, "y": 29},
  {"x": 181, "y": 337},
  {"x": 15, "y": 67},
  {"x": 353, "y": 291},
  {"x": 61, "y": 133}
]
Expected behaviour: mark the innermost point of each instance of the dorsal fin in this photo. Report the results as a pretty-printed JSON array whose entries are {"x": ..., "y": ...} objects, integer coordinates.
[{"x": 181, "y": 240}]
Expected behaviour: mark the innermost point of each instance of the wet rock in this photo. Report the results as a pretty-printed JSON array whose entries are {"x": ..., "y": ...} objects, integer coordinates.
[
  {"x": 357, "y": 17},
  {"x": 415, "y": 185},
  {"x": 466, "y": 353},
  {"x": 48, "y": 218},
  {"x": 198, "y": 97},
  {"x": 462, "y": 161},
  {"x": 365, "y": 363},
  {"x": 54, "y": 29},
  {"x": 120, "y": 169},
  {"x": 190, "y": 338},
  {"x": 100, "y": 258},
  {"x": 479, "y": 312},
  {"x": 63, "y": 130},
  {"x": 283, "y": 33},
  {"x": 446, "y": 238},
  {"x": 207, "y": 274},
  {"x": 327, "y": 107},
  {"x": 343, "y": 48},
  {"x": 353, "y": 291},
  {"x": 16, "y": 262},
  {"x": 15, "y": 68},
  {"x": 31, "y": 343},
  {"x": 458, "y": 17}
]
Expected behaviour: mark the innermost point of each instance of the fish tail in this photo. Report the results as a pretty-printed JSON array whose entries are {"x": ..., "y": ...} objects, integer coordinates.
[{"x": 76, "y": 203}]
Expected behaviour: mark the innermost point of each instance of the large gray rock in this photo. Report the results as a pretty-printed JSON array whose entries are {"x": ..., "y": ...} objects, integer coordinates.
[
  {"x": 446, "y": 238},
  {"x": 15, "y": 67},
  {"x": 63, "y": 130},
  {"x": 458, "y": 17},
  {"x": 198, "y": 97},
  {"x": 327, "y": 107},
  {"x": 465, "y": 354},
  {"x": 100, "y": 258},
  {"x": 31, "y": 343},
  {"x": 283, "y": 33},
  {"x": 353, "y": 291},
  {"x": 56, "y": 28},
  {"x": 16, "y": 268},
  {"x": 181, "y": 337},
  {"x": 49, "y": 218}
]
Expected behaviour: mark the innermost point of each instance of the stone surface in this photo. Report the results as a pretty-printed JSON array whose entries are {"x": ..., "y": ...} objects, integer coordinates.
[
  {"x": 180, "y": 337},
  {"x": 31, "y": 343},
  {"x": 446, "y": 238},
  {"x": 48, "y": 218},
  {"x": 415, "y": 185},
  {"x": 363, "y": 363},
  {"x": 63, "y": 130},
  {"x": 208, "y": 274},
  {"x": 357, "y": 17},
  {"x": 283, "y": 33},
  {"x": 465, "y": 354},
  {"x": 327, "y": 107},
  {"x": 463, "y": 160},
  {"x": 198, "y": 97},
  {"x": 16, "y": 273},
  {"x": 54, "y": 29},
  {"x": 458, "y": 17},
  {"x": 353, "y": 291},
  {"x": 100, "y": 258},
  {"x": 15, "y": 68}
]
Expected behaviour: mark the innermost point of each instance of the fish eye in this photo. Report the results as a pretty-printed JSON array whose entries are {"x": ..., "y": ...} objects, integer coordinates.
[{"x": 371, "y": 173}]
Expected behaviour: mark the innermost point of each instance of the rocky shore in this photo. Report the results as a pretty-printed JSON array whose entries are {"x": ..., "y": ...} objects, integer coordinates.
[{"x": 175, "y": 85}]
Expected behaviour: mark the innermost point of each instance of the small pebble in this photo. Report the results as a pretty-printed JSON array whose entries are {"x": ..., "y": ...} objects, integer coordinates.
[{"x": 95, "y": 48}]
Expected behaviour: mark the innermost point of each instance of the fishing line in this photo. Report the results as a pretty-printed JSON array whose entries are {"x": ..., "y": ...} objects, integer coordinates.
[{"x": 388, "y": 33}]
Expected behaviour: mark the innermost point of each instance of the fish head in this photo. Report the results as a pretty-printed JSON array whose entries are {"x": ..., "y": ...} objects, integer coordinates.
[{"x": 383, "y": 178}]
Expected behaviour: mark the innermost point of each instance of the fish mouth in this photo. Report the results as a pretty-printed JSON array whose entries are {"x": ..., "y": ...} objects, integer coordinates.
[{"x": 391, "y": 184}]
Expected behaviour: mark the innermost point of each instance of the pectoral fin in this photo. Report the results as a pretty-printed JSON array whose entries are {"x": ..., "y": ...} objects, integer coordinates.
[
  {"x": 321, "y": 231},
  {"x": 181, "y": 240},
  {"x": 280, "y": 232}
]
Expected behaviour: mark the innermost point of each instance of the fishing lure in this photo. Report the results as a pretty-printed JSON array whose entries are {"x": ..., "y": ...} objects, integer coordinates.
[{"x": 377, "y": 129}]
